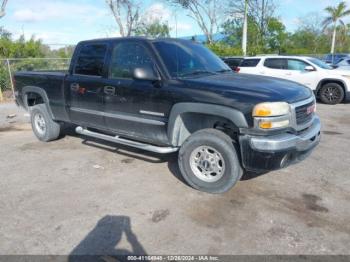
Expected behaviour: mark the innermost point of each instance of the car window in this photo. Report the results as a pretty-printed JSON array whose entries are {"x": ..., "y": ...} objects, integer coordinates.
[
  {"x": 276, "y": 63},
  {"x": 342, "y": 62},
  {"x": 91, "y": 60},
  {"x": 250, "y": 63},
  {"x": 297, "y": 65},
  {"x": 319, "y": 63},
  {"x": 126, "y": 56}
]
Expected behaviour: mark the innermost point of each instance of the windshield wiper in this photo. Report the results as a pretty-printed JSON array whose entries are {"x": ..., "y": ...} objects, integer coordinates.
[{"x": 198, "y": 72}]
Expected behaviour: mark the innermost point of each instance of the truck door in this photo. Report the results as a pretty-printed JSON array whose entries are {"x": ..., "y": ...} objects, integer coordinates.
[
  {"x": 84, "y": 86},
  {"x": 136, "y": 108}
]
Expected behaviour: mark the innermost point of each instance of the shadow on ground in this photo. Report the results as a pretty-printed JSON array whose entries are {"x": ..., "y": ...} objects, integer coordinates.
[
  {"x": 142, "y": 155},
  {"x": 101, "y": 244}
]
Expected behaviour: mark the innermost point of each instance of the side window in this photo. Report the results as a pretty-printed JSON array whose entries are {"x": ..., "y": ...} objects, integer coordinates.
[
  {"x": 126, "y": 57},
  {"x": 276, "y": 63},
  {"x": 250, "y": 63},
  {"x": 91, "y": 60},
  {"x": 297, "y": 65}
]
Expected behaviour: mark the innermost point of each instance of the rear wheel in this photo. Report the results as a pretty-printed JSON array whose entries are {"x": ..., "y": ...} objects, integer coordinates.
[
  {"x": 209, "y": 162},
  {"x": 331, "y": 94},
  {"x": 44, "y": 128}
]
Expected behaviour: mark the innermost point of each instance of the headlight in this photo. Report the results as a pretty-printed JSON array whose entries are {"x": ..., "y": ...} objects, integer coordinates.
[
  {"x": 271, "y": 109},
  {"x": 272, "y": 115}
]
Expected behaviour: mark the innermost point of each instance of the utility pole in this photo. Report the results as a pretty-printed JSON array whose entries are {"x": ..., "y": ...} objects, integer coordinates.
[
  {"x": 2, "y": 8},
  {"x": 245, "y": 29}
]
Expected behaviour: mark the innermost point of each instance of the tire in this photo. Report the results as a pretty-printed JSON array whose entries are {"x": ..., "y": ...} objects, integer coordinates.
[
  {"x": 215, "y": 174},
  {"x": 44, "y": 128},
  {"x": 331, "y": 94}
]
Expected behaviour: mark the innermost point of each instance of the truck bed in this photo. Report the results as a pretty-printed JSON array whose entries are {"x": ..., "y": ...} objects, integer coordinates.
[{"x": 52, "y": 82}]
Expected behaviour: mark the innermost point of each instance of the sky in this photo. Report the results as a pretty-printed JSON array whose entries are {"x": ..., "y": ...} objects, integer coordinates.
[{"x": 62, "y": 22}]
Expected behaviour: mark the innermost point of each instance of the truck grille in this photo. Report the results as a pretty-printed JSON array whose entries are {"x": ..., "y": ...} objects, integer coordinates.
[{"x": 302, "y": 113}]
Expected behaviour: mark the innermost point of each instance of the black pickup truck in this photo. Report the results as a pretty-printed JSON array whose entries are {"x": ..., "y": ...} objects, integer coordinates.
[{"x": 169, "y": 95}]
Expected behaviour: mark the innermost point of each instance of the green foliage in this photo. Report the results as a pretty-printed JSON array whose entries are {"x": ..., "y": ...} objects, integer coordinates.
[
  {"x": 155, "y": 29},
  {"x": 223, "y": 49},
  {"x": 64, "y": 52},
  {"x": 29, "y": 49},
  {"x": 19, "y": 48}
]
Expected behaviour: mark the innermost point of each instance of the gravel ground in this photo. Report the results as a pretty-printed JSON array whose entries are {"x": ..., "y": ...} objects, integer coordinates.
[{"x": 76, "y": 196}]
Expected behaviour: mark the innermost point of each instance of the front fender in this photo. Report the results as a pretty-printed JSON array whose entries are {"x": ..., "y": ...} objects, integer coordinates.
[{"x": 175, "y": 120}]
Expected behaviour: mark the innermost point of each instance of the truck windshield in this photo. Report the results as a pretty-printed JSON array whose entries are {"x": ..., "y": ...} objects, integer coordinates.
[{"x": 188, "y": 59}]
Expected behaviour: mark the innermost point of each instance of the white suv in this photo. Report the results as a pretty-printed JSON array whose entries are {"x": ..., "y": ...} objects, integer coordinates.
[{"x": 330, "y": 86}]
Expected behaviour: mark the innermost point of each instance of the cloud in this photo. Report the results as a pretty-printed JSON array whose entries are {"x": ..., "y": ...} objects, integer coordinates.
[
  {"x": 159, "y": 12},
  {"x": 26, "y": 15},
  {"x": 156, "y": 12},
  {"x": 39, "y": 11}
]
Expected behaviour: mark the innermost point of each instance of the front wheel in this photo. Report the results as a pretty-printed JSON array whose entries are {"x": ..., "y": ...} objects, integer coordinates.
[
  {"x": 209, "y": 162},
  {"x": 44, "y": 128},
  {"x": 332, "y": 94}
]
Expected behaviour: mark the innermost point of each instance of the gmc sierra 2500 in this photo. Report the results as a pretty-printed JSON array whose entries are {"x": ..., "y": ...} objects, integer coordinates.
[{"x": 168, "y": 95}]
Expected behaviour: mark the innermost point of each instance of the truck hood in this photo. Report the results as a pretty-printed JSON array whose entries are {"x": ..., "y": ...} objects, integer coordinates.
[{"x": 251, "y": 89}]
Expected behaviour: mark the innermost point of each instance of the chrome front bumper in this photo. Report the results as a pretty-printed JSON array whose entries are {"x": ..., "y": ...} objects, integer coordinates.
[{"x": 304, "y": 141}]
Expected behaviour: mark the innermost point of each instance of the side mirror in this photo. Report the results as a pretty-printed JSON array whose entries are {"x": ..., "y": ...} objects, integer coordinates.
[
  {"x": 309, "y": 68},
  {"x": 145, "y": 73}
]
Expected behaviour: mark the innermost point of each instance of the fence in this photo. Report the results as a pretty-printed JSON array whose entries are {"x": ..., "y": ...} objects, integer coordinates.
[{"x": 9, "y": 66}]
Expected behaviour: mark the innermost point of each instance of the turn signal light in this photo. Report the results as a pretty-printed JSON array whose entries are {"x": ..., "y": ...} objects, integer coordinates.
[{"x": 271, "y": 124}]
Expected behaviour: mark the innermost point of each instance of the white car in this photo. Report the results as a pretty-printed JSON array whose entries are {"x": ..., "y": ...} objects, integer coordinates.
[{"x": 329, "y": 85}]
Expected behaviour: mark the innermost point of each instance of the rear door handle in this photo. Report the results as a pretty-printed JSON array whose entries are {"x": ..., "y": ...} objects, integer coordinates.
[
  {"x": 74, "y": 87},
  {"x": 109, "y": 90}
]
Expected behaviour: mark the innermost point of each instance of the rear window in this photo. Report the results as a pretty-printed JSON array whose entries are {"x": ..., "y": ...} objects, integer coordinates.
[
  {"x": 250, "y": 63},
  {"x": 276, "y": 63},
  {"x": 91, "y": 60}
]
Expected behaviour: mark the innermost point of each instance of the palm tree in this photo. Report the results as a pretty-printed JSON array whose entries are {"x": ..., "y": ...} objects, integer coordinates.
[{"x": 335, "y": 15}]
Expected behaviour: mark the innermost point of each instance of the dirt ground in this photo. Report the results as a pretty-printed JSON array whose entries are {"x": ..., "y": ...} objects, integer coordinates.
[{"x": 76, "y": 196}]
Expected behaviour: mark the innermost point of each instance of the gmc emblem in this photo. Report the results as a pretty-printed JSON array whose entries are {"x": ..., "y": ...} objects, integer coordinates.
[{"x": 310, "y": 109}]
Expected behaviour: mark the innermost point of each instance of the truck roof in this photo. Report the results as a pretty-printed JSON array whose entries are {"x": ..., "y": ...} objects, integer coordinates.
[{"x": 138, "y": 38}]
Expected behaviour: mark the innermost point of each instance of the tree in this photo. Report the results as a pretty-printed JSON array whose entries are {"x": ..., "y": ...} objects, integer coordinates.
[
  {"x": 275, "y": 35},
  {"x": 126, "y": 14},
  {"x": 153, "y": 29},
  {"x": 335, "y": 15},
  {"x": 259, "y": 13},
  {"x": 208, "y": 14}
]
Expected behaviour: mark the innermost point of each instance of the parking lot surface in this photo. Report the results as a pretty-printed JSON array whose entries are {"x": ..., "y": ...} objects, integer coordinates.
[{"x": 77, "y": 196}]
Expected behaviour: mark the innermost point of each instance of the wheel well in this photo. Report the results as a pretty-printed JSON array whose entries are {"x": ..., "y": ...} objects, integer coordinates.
[
  {"x": 33, "y": 99},
  {"x": 188, "y": 123},
  {"x": 329, "y": 81}
]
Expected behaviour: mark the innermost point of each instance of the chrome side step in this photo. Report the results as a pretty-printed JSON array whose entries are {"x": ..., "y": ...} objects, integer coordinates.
[{"x": 123, "y": 141}]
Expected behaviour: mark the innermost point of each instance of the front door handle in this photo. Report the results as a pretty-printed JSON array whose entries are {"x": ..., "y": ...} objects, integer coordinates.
[{"x": 109, "y": 90}]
